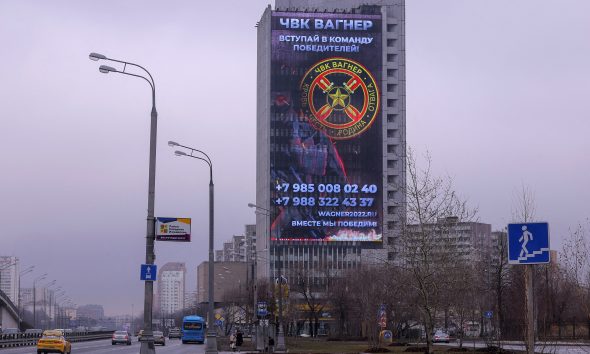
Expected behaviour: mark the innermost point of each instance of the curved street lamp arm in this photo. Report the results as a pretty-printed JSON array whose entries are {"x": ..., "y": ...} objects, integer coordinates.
[
  {"x": 135, "y": 75},
  {"x": 206, "y": 161},
  {"x": 152, "y": 83},
  {"x": 197, "y": 150}
]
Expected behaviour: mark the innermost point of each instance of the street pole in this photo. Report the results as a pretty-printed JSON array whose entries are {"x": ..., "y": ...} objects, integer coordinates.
[
  {"x": 281, "y": 338},
  {"x": 530, "y": 319},
  {"x": 211, "y": 347},
  {"x": 211, "y": 336},
  {"x": 147, "y": 340}
]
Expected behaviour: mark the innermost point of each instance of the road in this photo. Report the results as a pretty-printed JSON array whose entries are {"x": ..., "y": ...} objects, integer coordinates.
[
  {"x": 104, "y": 346},
  {"x": 553, "y": 348}
]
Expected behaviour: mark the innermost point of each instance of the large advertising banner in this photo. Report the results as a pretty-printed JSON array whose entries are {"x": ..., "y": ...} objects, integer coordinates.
[{"x": 325, "y": 129}]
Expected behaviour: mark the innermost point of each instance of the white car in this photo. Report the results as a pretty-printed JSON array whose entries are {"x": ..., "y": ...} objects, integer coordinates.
[{"x": 440, "y": 337}]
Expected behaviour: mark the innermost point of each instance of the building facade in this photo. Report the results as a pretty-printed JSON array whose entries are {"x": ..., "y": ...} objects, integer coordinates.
[
  {"x": 171, "y": 287},
  {"x": 241, "y": 248},
  {"x": 90, "y": 312},
  {"x": 229, "y": 277},
  {"x": 468, "y": 242},
  {"x": 9, "y": 277},
  {"x": 304, "y": 81}
]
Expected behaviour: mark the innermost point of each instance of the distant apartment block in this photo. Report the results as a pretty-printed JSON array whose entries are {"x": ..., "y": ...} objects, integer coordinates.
[
  {"x": 93, "y": 312},
  {"x": 9, "y": 277},
  {"x": 171, "y": 287},
  {"x": 241, "y": 248}
]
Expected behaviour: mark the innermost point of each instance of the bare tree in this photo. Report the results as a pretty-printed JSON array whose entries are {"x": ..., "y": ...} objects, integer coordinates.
[{"x": 433, "y": 210}]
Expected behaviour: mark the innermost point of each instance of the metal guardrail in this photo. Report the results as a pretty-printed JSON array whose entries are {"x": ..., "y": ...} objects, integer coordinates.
[{"x": 26, "y": 339}]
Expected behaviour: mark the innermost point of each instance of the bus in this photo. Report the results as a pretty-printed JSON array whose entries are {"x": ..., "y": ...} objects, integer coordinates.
[{"x": 193, "y": 329}]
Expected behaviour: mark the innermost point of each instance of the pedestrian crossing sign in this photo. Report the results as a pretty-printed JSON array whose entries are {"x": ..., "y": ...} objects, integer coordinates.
[{"x": 528, "y": 243}]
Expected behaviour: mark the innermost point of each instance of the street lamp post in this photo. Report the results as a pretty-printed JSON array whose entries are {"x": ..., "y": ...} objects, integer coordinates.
[
  {"x": 147, "y": 343},
  {"x": 45, "y": 288},
  {"x": 259, "y": 343},
  {"x": 20, "y": 306},
  {"x": 211, "y": 335},
  {"x": 41, "y": 277},
  {"x": 281, "y": 337}
]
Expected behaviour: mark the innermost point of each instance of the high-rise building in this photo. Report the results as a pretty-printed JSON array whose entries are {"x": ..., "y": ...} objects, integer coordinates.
[
  {"x": 330, "y": 136},
  {"x": 9, "y": 277},
  {"x": 171, "y": 287},
  {"x": 241, "y": 248}
]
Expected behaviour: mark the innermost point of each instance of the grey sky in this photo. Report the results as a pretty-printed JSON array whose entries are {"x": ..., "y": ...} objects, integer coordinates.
[{"x": 496, "y": 92}]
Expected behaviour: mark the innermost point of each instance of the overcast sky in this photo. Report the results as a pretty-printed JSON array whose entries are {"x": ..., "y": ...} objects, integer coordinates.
[{"x": 497, "y": 91}]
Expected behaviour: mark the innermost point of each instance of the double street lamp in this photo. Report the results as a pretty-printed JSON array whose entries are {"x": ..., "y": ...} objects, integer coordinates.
[
  {"x": 147, "y": 343},
  {"x": 211, "y": 335}
]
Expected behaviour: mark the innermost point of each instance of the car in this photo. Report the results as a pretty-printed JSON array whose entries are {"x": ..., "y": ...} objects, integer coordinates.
[
  {"x": 159, "y": 338},
  {"x": 53, "y": 341},
  {"x": 121, "y": 337},
  {"x": 139, "y": 335},
  {"x": 440, "y": 337},
  {"x": 174, "y": 333}
]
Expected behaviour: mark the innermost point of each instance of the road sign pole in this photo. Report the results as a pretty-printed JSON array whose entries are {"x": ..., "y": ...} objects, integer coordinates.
[{"x": 530, "y": 315}]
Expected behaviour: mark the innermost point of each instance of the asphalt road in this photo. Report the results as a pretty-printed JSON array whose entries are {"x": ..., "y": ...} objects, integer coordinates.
[
  {"x": 174, "y": 346},
  {"x": 552, "y": 348}
]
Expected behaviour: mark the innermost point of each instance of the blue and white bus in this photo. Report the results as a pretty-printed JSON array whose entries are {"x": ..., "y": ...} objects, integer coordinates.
[{"x": 193, "y": 329}]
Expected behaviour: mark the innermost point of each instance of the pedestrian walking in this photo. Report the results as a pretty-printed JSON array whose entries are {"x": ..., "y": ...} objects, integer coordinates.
[
  {"x": 239, "y": 339},
  {"x": 232, "y": 342}
]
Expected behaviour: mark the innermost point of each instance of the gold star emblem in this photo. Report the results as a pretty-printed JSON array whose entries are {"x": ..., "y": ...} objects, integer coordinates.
[{"x": 338, "y": 98}]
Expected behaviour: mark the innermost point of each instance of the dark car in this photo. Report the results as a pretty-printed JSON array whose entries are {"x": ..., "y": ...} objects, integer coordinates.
[
  {"x": 174, "y": 333},
  {"x": 121, "y": 337}
]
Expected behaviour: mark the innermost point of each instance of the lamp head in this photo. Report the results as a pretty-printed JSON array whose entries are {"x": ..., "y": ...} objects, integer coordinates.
[
  {"x": 105, "y": 69},
  {"x": 180, "y": 153},
  {"x": 173, "y": 143},
  {"x": 250, "y": 205},
  {"x": 96, "y": 56}
]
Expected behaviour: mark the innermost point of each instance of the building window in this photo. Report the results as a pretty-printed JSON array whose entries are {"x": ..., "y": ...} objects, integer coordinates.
[
  {"x": 391, "y": 27},
  {"x": 391, "y": 72},
  {"x": 391, "y": 87},
  {"x": 391, "y": 133},
  {"x": 391, "y": 118},
  {"x": 391, "y": 103},
  {"x": 390, "y": 42},
  {"x": 391, "y": 58}
]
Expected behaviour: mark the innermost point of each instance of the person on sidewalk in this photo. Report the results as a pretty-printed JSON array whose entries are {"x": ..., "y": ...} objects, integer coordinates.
[
  {"x": 239, "y": 340},
  {"x": 232, "y": 342}
]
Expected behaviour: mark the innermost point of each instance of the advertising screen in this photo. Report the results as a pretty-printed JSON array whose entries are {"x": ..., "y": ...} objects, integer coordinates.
[{"x": 326, "y": 155}]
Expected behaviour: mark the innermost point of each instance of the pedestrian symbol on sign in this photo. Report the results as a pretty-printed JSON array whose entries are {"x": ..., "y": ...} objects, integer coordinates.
[{"x": 528, "y": 243}]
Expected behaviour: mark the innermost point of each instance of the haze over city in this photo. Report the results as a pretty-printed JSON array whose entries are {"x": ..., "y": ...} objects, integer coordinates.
[{"x": 496, "y": 93}]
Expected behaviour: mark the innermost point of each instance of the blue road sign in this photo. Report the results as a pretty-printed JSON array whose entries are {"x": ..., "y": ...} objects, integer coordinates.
[
  {"x": 148, "y": 272},
  {"x": 261, "y": 309},
  {"x": 488, "y": 314},
  {"x": 528, "y": 243}
]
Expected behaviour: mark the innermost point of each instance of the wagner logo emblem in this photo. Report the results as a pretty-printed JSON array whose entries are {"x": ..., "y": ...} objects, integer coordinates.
[{"x": 340, "y": 97}]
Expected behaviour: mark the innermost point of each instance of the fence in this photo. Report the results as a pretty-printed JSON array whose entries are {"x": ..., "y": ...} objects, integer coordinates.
[{"x": 29, "y": 339}]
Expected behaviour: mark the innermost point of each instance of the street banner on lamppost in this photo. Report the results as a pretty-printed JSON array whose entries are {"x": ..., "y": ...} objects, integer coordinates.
[{"x": 173, "y": 229}]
